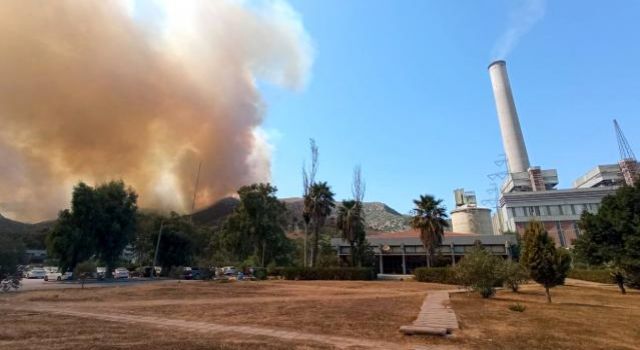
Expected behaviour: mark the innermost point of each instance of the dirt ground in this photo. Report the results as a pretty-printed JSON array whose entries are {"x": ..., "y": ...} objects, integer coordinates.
[
  {"x": 310, "y": 315},
  {"x": 358, "y": 310}
]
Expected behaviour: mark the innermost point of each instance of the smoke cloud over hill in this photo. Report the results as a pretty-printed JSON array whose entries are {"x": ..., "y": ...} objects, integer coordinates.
[{"x": 142, "y": 91}]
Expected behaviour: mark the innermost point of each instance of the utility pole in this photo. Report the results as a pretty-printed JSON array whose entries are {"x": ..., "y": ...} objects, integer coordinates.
[
  {"x": 195, "y": 191},
  {"x": 155, "y": 256}
]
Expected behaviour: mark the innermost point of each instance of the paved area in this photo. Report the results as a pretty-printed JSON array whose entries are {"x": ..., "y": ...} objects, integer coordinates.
[{"x": 435, "y": 317}]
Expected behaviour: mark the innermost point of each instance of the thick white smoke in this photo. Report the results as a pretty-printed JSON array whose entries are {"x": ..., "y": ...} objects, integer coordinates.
[
  {"x": 522, "y": 17},
  {"x": 96, "y": 90}
]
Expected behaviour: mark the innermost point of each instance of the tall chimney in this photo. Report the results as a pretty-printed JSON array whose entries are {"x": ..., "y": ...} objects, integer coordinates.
[{"x": 512, "y": 138}]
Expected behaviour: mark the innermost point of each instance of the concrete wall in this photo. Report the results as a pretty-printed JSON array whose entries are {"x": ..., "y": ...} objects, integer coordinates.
[{"x": 472, "y": 220}]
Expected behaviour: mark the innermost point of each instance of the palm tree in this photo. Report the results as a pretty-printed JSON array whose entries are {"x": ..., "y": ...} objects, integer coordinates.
[
  {"x": 350, "y": 222},
  {"x": 429, "y": 217},
  {"x": 320, "y": 203}
]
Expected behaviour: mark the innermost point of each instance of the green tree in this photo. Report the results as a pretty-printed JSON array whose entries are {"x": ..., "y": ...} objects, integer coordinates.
[
  {"x": 480, "y": 270},
  {"x": 612, "y": 236},
  {"x": 68, "y": 243},
  {"x": 101, "y": 223},
  {"x": 546, "y": 264},
  {"x": 513, "y": 275},
  {"x": 256, "y": 227},
  {"x": 11, "y": 254},
  {"x": 429, "y": 218},
  {"x": 321, "y": 203},
  {"x": 176, "y": 246},
  {"x": 115, "y": 221},
  {"x": 350, "y": 222}
]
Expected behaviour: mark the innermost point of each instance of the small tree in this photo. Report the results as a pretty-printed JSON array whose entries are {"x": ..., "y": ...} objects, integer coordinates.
[
  {"x": 513, "y": 275},
  {"x": 84, "y": 270},
  {"x": 480, "y": 271},
  {"x": 546, "y": 264}
]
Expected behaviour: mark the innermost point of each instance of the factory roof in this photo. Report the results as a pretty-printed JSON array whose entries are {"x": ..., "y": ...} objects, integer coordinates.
[{"x": 411, "y": 237}]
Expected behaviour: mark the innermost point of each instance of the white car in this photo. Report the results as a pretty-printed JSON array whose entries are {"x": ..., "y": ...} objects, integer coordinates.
[
  {"x": 229, "y": 270},
  {"x": 120, "y": 272},
  {"x": 36, "y": 272},
  {"x": 58, "y": 276}
]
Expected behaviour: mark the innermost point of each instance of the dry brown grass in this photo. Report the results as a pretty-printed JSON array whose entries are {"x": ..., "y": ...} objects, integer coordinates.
[
  {"x": 578, "y": 318},
  {"x": 367, "y": 310},
  {"x": 32, "y": 330}
]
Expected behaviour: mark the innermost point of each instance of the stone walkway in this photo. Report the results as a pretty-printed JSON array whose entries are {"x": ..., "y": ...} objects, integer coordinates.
[{"x": 436, "y": 316}]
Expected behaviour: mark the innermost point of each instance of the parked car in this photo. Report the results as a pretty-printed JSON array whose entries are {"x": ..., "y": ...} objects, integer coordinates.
[
  {"x": 229, "y": 270},
  {"x": 121, "y": 272},
  {"x": 196, "y": 273},
  {"x": 36, "y": 272},
  {"x": 101, "y": 272},
  {"x": 58, "y": 276},
  {"x": 187, "y": 273}
]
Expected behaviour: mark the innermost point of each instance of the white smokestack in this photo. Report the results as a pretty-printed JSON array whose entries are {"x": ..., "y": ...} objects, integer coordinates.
[{"x": 512, "y": 138}]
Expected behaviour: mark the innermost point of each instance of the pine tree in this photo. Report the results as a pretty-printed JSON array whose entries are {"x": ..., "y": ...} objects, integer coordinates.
[{"x": 546, "y": 264}]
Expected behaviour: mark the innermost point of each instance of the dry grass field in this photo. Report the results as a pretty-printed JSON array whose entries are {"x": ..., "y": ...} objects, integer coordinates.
[
  {"x": 578, "y": 318},
  {"x": 167, "y": 316}
]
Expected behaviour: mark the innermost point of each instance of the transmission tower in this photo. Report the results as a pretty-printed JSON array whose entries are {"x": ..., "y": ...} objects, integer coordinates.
[{"x": 628, "y": 162}]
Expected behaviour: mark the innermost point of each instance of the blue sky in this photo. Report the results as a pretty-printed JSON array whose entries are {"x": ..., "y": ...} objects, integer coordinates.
[{"x": 402, "y": 88}]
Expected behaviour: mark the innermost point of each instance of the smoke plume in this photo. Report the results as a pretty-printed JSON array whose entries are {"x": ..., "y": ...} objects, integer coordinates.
[
  {"x": 522, "y": 18},
  {"x": 141, "y": 91}
]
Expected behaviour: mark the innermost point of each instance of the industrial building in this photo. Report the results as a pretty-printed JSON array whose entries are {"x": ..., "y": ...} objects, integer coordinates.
[
  {"x": 402, "y": 252},
  {"x": 529, "y": 192}
]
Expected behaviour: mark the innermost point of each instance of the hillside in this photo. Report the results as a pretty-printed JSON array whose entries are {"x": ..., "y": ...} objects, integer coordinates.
[
  {"x": 378, "y": 216},
  {"x": 32, "y": 234}
]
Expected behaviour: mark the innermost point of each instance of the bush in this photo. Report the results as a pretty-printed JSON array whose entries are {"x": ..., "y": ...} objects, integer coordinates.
[
  {"x": 176, "y": 272},
  {"x": 445, "y": 275},
  {"x": 513, "y": 275},
  {"x": 84, "y": 270},
  {"x": 260, "y": 273},
  {"x": 481, "y": 271},
  {"x": 517, "y": 307},
  {"x": 324, "y": 273},
  {"x": 593, "y": 275}
]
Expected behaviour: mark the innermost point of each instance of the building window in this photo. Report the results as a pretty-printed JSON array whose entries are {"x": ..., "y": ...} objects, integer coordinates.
[
  {"x": 579, "y": 208},
  {"x": 544, "y": 210},
  {"x": 555, "y": 210},
  {"x": 566, "y": 209},
  {"x": 519, "y": 211}
]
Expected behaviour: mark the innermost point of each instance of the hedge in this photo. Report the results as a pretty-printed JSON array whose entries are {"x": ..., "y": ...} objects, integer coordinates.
[
  {"x": 443, "y": 275},
  {"x": 324, "y": 273},
  {"x": 597, "y": 275}
]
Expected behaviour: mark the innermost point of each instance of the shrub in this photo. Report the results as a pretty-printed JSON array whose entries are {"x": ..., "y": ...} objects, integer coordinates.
[
  {"x": 593, "y": 275},
  {"x": 176, "y": 272},
  {"x": 444, "y": 275},
  {"x": 517, "y": 307},
  {"x": 84, "y": 270},
  {"x": 513, "y": 275},
  {"x": 260, "y": 273},
  {"x": 480, "y": 271},
  {"x": 325, "y": 273}
]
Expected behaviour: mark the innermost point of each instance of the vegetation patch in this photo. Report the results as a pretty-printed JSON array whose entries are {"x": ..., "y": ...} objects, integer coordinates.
[
  {"x": 324, "y": 273},
  {"x": 445, "y": 275},
  {"x": 592, "y": 275}
]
